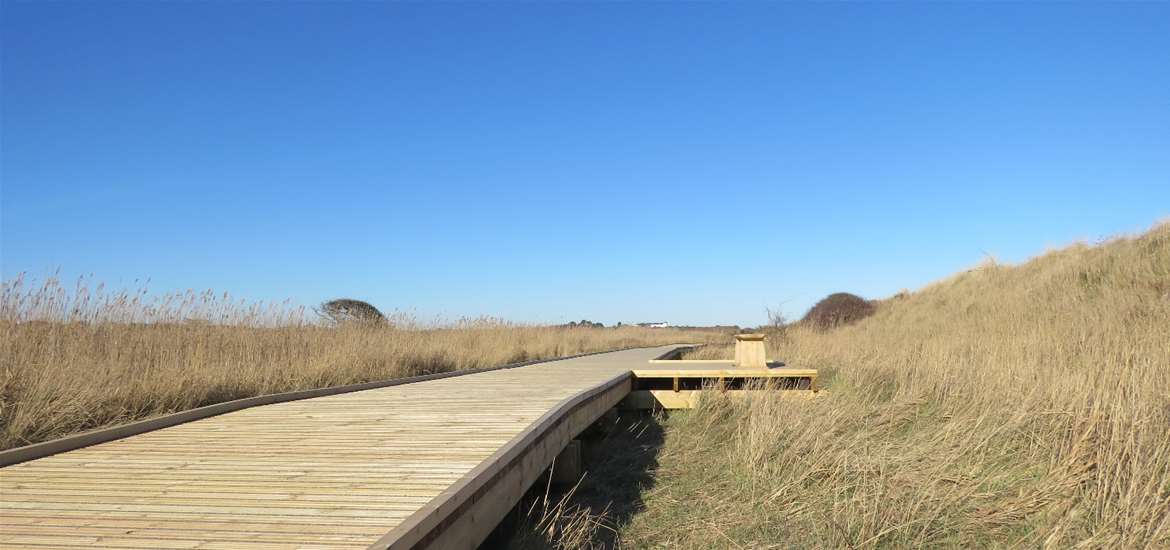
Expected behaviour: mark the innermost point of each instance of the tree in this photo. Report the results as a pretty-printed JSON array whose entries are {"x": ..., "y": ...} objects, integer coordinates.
[
  {"x": 345, "y": 310},
  {"x": 776, "y": 318}
]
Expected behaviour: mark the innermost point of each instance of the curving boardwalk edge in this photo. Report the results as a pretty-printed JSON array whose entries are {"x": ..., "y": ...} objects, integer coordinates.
[{"x": 432, "y": 463}]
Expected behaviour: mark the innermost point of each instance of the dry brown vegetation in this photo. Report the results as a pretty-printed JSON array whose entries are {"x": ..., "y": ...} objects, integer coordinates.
[
  {"x": 75, "y": 359},
  {"x": 1024, "y": 406}
]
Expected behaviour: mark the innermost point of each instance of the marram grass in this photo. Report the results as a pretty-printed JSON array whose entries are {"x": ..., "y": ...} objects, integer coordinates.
[
  {"x": 1024, "y": 406},
  {"x": 77, "y": 359},
  {"x": 1005, "y": 407}
]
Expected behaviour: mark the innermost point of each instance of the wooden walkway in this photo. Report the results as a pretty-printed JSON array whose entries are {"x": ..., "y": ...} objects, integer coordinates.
[{"x": 430, "y": 464}]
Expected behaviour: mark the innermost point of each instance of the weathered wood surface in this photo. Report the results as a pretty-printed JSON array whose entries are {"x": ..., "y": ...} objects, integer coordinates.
[{"x": 331, "y": 472}]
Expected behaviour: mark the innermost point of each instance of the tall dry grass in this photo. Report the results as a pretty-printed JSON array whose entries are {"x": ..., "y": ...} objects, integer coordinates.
[
  {"x": 1024, "y": 406},
  {"x": 81, "y": 358}
]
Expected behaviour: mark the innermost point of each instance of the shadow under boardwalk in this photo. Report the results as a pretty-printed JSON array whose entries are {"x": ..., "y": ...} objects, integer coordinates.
[{"x": 621, "y": 458}]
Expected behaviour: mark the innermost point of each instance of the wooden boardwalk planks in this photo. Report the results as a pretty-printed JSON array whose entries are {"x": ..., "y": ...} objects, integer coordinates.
[{"x": 434, "y": 463}]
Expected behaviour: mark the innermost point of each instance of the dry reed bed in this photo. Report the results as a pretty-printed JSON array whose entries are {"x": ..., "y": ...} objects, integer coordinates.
[
  {"x": 76, "y": 360},
  {"x": 1023, "y": 406}
]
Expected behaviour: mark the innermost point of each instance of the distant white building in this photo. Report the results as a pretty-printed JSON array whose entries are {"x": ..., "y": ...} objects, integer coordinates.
[{"x": 658, "y": 324}]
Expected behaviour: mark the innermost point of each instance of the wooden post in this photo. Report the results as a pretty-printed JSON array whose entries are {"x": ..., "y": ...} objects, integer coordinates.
[
  {"x": 749, "y": 351},
  {"x": 567, "y": 467}
]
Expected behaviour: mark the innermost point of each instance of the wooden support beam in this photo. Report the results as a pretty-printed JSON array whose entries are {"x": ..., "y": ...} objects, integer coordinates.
[{"x": 650, "y": 400}]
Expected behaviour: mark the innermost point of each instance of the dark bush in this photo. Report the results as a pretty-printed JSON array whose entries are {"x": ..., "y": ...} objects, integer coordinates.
[
  {"x": 838, "y": 309},
  {"x": 345, "y": 310}
]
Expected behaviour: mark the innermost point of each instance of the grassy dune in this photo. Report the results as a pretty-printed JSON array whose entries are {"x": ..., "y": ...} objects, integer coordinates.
[
  {"x": 1022, "y": 406},
  {"x": 78, "y": 359}
]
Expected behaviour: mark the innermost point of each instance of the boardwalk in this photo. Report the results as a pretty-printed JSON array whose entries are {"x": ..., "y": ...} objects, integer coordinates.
[{"x": 394, "y": 467}]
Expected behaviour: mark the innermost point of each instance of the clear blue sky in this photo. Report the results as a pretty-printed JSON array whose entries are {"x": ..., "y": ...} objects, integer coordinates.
[{"x": 692, "y": 163}]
